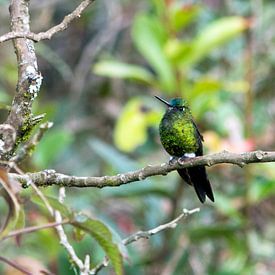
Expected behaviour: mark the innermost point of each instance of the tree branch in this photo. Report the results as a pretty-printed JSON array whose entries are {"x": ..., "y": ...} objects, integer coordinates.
[
  {"x": 63, "y": 237},
  {"x": 15, "y": 265},
  {"x": 49, "y": 33},
  {"x": 51, "y": 177},
  {"x": 29, "y": 79},
  {"x": 28, "y": 148},
  {"x": 147, "y": 234},
  {"x": 35, "y": 228}
]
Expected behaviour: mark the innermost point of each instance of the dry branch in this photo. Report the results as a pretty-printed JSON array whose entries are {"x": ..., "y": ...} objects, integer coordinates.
[
  {"x": 29, "y": 78},
  {"x": 51, "y": 177},
  {"x": 147, "y": 234},
  {"x": 15, "y": 265},
  {"x": 25, "y": 33}
]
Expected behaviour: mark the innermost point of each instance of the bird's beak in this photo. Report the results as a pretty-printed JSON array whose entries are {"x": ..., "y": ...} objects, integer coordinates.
[{"x": 163, "y": 101}]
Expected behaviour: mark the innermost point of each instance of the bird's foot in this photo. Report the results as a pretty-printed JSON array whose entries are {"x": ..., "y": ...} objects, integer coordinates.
[
  {"x": 187, "y": 156},
  {"x": 173, "y": 160}
]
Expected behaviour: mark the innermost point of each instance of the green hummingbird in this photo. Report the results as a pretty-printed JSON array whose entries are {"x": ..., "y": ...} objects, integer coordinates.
[{"x": 180, "y": 137}]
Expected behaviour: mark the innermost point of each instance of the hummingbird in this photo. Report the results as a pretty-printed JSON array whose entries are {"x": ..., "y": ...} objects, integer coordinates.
[{"x": 180, "y": 137}]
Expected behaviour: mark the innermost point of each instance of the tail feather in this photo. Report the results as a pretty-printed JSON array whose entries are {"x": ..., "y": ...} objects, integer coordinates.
[{"x": 197, "y": 177}]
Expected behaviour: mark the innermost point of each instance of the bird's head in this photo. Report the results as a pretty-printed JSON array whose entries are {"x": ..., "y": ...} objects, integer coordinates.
[{"x": 175, "y": 103}]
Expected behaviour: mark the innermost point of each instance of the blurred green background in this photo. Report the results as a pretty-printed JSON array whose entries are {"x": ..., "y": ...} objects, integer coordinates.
[{"x": 100, "y": 76}]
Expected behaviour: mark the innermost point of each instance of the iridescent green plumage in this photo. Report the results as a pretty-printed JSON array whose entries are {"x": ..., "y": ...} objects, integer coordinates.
[{"x": 180, "y": 137}]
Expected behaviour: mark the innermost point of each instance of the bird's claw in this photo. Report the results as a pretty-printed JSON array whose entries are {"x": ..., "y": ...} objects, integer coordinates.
[{"x": 173, "y": 160}]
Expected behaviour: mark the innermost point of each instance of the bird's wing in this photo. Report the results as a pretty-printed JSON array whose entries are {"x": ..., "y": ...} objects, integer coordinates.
[
  {"x": 197, "y": 130},
  {"x": 199, "y": 152}
]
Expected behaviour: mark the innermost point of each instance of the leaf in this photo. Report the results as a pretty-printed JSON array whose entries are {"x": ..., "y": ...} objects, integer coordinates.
[
  {"x": 149, "y": 38},
  {"x": 51, "y": 146},
  {"x": 101, "y": 233},
  {"x": 177, "y": 50},
  {"x": 63, "y": 209},
  {"x": 215, "y": 35},
  {"x": 227, "y": 207},
  {"x": 261, "y": 189},
  {"x": 14, "y": 208},
  {"x": 21, "y": 219},
  {"x": 202, "y": 103},
  {"x": 4, "y": 98},
  {"x": 182, "y": 15},
  {"x": 214, "y": 232},
  {"x": 118, "y": 69},
  {"x": 78, "y": 234},
  {"x": 205, "y": 85},
  {"x": 237, "y": 86},
  {"x": 132, "y": 126}
]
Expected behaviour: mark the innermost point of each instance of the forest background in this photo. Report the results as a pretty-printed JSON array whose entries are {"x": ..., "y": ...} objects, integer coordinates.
[{"x": 100, "y": 76}]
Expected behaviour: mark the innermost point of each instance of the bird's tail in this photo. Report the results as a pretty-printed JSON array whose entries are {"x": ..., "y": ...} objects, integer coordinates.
[{"x": 197, "y": 177}]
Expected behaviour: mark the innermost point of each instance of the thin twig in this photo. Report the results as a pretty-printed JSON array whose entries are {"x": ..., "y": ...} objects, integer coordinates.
[
  {"x": 35, "y": 228},
  {"x": 15, "y": 265},
  {"x": 147, "y": 234},
  {"x": 50, "y": 177},
  {"x": 172, "y": 224},
  {"x": 28, "y": 148},
  {"x": 64, "y": 240},
  {"x": 59, "y": 228},
  {"x": 49, "y": 33}
]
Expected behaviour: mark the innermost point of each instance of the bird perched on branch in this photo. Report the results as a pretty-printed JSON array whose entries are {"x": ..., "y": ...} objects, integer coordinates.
[{"x": 180, "y": 137}]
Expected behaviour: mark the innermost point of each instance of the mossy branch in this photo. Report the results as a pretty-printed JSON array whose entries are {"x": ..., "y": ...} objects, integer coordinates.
[
  {"x": 29, "y": 78},
  {"x": 50, "y": 177}
]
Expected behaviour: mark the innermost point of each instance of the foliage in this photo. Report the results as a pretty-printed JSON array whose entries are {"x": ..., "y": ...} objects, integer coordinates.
[{"x": 99, "y": 82}]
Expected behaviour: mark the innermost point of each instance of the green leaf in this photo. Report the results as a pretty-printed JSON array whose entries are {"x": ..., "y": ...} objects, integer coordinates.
[
  {"x": 261, "y": 189},
  {"x": 101, "y": 233},
  {"x": 236, "y": 86},
  {"x": 132, "y": 126},
  {"x": 227, "y": 207},
  {"x": 214, "y": 232},
  {"x": 182, "y": 15},
  {"x": 202, "y": 103},
  {"x": 55, "y": 204},
  {"x": 118, "y": 69},
  {"x": 78, "y": 234},
  {"x": 177, "y": 50},
  {"x": 160, "y": 7},
  {"x": 20, "y": 223},
  {"x": 14, "y": 207},
  {"x": 205, "y": 85},
  {"x": 215, "y": 35},
  {"x": 149, "y": 38},
  {"x": 4, "y": 98},
  {"x": 51, "y": 146}
]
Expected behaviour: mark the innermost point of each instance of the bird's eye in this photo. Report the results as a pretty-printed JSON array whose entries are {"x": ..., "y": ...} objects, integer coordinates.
[{"x": 182, "y": 108}]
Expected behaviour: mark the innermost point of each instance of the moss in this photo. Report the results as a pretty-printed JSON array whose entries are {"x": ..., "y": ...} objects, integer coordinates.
[
  {"x": 26, "y": 129},
  {"x": 27, "y": 95}
]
